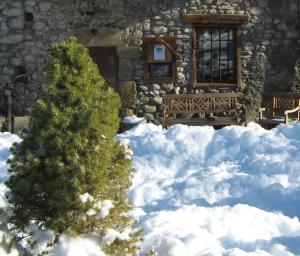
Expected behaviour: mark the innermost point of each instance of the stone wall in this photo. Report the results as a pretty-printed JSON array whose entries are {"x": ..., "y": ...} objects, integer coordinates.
[{"x": 27, "y": 27}]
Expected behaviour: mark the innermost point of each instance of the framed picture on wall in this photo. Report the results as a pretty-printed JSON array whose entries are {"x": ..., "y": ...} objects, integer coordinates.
[
  {"x": 160, "y": 59},
  {"x": 159, "y": 52}
]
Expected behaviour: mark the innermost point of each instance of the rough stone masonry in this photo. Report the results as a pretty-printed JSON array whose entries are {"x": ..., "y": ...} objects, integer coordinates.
[{"x": 27, "y": 27}]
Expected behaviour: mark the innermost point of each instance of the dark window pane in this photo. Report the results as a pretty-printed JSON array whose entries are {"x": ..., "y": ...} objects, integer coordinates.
[
  {"x": 224, "y": 34},
  {"x": 216, "y": 45},
  {"x": 215, "y": 62},
  {"x": 207, "y": 55},
  {"x": 216, "y": 75},
  {"x": 207, "y": 77},
  {"x": 224, "y": 45},
  {"x": 205, "y": 39},
  {"x": 224, "y": 55},
  {"x": 160, "y": 70},
  {"x": 201, "y": 74},
  {"x": 216, "y": 35},
  {"x": 231, "y": 76},
  {"x": 231, "y": 47},
  {"x": 230, "y": 37},
  {"x": 223, "y": 64}
]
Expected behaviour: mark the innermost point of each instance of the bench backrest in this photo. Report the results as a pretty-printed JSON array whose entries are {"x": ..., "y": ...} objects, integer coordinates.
[
  {"x": 202, "y": 102},
  {"x": 285, "y": 101}
]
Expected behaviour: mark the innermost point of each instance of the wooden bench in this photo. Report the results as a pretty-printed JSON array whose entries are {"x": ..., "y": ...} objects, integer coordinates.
[
  {"x": 285, "y": 109},
  {"x": 217, "y": 109}
]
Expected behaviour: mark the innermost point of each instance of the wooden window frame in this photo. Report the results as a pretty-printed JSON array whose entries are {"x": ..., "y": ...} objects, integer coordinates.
[
  {"x": 148, "y": 45},
  {"x": 217, "y": 20},
  {"x": 237, "y": 57}
]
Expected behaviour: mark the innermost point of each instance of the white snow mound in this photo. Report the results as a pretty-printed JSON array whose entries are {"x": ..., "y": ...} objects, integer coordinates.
[{"x": 200, "y": 192}]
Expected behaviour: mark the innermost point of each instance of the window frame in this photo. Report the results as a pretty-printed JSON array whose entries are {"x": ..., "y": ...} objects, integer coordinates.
[
  {"x": 237, "y": 57},
  {"x": 170, "y": 46}
]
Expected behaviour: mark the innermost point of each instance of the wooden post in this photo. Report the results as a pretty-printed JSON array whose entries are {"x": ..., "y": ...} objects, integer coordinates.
[{"x": 9, "y": 111}]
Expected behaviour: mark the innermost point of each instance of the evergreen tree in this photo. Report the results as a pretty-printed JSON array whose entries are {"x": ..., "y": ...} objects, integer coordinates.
[
  {"x": 295, "y": 83},
  {"x": 70, "y": 152}
]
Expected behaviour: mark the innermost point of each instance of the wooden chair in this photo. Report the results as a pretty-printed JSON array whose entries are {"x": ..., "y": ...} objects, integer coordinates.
[{"x": 285, "y": 110}]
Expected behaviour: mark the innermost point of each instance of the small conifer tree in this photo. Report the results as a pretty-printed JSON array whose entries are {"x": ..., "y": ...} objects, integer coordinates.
[
  {"x": 70, "y": 153},
  {"x": 295, "y": 83}
]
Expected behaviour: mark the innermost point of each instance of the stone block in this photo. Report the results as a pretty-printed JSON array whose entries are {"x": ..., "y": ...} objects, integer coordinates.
[
  {"x": 149, "y": 109},
  {"x": 39, "y": 25},
  {"x": 12, "y": 39},
  {"x": 14, "y": 12},
  {"x": 155, "y": 87},
  {"x": 30, "y": 3},
  {"x": 44, "y": 7},
  {"x": 255, "y": 11},
  {"x": 21, "y": 123},
  {"x": 16, "y": 22},
  {"x": 292, "y": 34},
  {"x": 149, "y": 117},
  {"x": 137, "y": 34},
  {"x": 157, "y": 100},
  {"x": 129, "y": 52},
  {"x": 128, "y": 94},
  {"x": 125, "y": 69},
  {"x": 29, "y": 59},
  {"x": 168, "y": 87},
  {"x": 160, "y": 30},
  {"x": 281, "y": 27}
]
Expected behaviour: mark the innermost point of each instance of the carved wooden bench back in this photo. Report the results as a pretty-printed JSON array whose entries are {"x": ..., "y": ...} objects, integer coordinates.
[
  {"x": 285, "y": 109},
  {"x": 203, "y": 103},
  {"x": 284, "y": 101}
]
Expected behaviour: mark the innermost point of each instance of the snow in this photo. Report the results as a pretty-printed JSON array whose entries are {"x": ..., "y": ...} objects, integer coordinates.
[
  {"x": 134, "y": 120},
  {"x": 86, "y": 197},
  {"x": 112, "y": 234},
  {"x": 200, "y": 192},
  {"x": 104, "y": 208},
  {"x": 80, "y": 246},
  {"x": 234, "y": 191}
]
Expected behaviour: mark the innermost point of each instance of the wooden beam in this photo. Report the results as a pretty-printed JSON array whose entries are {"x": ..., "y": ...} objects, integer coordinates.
[
  {"x": 201, "y": 96},
  {"x": 225, "y": 19},
  {"x": 199, "y": 85}
]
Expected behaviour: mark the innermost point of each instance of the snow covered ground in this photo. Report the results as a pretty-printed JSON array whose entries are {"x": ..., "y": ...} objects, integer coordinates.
[
  {"x": 201, "y": 192},
  {"x": 235, "y": 191}
]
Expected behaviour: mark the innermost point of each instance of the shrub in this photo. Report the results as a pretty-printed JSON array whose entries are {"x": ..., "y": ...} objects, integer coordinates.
[
  {"x": 69, "y": 165},
  {"x": 295, "y": 83}
]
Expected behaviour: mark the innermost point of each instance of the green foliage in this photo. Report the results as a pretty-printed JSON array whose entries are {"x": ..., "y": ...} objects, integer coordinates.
[
  {"x": 69, "y": 151},
  {"x": 295, "y": 83}
]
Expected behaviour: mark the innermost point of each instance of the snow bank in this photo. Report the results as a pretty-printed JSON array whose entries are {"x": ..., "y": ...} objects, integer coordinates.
[
  {"x": 201, "y": 192},
  {"x": 235, "y": 191}
]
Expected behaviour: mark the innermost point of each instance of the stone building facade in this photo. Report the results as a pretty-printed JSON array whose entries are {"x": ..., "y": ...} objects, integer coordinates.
[{"x": 268, "y": 44}]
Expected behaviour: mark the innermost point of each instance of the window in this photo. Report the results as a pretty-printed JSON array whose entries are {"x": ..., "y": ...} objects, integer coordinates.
[
  {"x": 216, "y": 49},
  {"x": 160, "y": 59},
  {"x": 215, "y": 60}
]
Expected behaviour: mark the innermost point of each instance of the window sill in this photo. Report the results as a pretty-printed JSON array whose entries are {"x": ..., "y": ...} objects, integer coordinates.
[
  {"x": 161, "y": 79},
  {"x": 199, "y": 85}
]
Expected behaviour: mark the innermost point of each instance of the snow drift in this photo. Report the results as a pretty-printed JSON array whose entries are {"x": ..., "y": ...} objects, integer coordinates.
[
  {"x": 201, "y": 192},
  {"x": 234, "y": 191}
]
